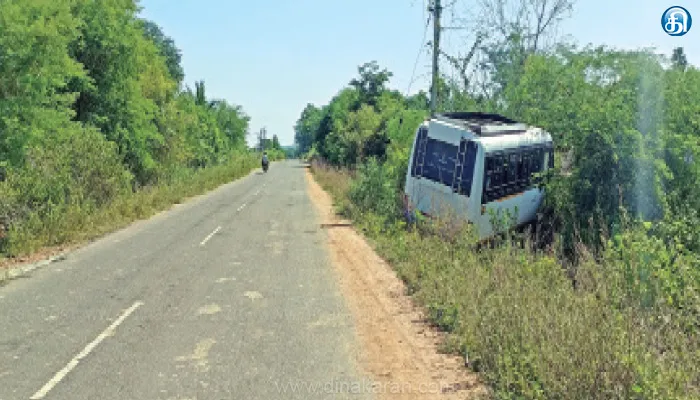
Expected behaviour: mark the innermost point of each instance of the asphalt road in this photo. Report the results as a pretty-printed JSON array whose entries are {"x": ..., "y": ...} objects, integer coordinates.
[{"x": 229, "y": 296}]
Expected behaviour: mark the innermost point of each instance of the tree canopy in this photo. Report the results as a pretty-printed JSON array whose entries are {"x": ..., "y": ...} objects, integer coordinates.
[{"x": 91, "y": 106}]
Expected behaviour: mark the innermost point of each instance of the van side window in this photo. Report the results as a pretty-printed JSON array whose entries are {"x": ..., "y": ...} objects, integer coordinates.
[
  {"x": 536, "y": 161},
  {"x": 513, "y": 166},
  {"x": 440, "y": 159},
  {"x": 512, "y": 172},
  {"x": 419, "y": 153},
  {"x": 500, "y": 172},
  {"x": 463, "y": 183},
  {"x": 488, "y": 179},
  {"x": 493, "y": 177},
  {"x": 524, "y": 170}
]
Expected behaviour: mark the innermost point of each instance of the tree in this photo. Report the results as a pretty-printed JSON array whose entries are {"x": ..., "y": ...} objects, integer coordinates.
[
  {"x": 128, "y": 81},
  {"x": 531, "y": 20},
  {"x": 35, "y": 68},
  {"x": 371, "y": 83},
  {"x": 90, "y": 110},
  {"x": 507, "y": 32},
  {"x": 200, "y": 95},
  {"x": 462, "y": 62},
  {"x": 276, "y": 143},
  {"x": 679, "y": 59},
  {"x": 166, "y": 47},
  {"x": 334, "y": 119},
  {"x": 306, "y": 127}
]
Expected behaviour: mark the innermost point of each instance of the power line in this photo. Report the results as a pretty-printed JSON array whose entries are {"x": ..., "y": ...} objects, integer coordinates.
[{"x": 420, "y": 52}]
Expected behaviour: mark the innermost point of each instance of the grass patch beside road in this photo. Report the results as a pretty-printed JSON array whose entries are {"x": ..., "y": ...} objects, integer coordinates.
[
  {"x": 74, "y": 223},
  {"x": 518, "y": 319}
]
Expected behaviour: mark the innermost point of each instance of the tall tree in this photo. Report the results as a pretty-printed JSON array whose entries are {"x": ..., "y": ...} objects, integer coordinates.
[
  {"x": 507, "y": 32},
  {"x": 128, "y": 80},
  {"x": 371, "y": 82},
  {"x": 200, "y": 95},
  {"x": 679, "y": 59},
  {"x": 306, "y": 127},
  {"x": 166, "y": 47},
  {"x": 34, "y": 70}
]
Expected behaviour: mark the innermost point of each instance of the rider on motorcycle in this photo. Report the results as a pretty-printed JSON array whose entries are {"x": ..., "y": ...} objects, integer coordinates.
[{"x": 265, "y": 161}]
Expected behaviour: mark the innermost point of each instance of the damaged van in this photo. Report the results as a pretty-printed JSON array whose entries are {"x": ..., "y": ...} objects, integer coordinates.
[{"x": 471, "y": 165}]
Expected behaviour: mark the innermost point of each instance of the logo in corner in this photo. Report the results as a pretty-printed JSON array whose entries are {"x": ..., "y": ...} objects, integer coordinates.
[{"x": 676, "y": 21}]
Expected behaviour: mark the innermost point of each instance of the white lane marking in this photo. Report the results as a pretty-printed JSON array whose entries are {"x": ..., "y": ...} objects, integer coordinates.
[
  {"x": 206, "y": 239},
  {"x": 253, "y": 295},
  {"x": 90, "y": 347}
]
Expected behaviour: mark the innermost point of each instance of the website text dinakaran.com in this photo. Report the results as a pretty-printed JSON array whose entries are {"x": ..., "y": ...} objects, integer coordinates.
[{"x": 360, "y": 386}]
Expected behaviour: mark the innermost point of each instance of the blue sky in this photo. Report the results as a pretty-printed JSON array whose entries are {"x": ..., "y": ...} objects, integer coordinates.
[{"x": 274, "y": 56}]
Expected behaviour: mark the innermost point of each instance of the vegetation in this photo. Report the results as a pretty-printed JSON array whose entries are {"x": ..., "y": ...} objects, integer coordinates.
[
  {"x": 95, "y": 127},
  {"x": 610, "y": 306}
]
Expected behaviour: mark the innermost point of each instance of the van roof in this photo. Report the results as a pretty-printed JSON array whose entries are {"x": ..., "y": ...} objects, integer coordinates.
[
  {"x": 498, "y": 138},
  {"x": 482, "y": 124},
  {"x": 532, "y": 137}
]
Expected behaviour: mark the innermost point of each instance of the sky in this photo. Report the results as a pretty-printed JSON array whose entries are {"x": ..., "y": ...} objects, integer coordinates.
[{"x": 273, "y": 57}]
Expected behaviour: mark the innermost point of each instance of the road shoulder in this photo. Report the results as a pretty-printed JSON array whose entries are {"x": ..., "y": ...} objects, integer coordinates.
[{"x": 400, "y": 349}]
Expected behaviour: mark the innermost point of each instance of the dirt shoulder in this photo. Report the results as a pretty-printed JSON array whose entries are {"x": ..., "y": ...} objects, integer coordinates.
[{"x": 399, "y": 348}]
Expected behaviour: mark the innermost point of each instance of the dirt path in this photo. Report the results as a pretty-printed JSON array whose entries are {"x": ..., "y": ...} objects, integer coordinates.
[{"x": 399, "y": 348}]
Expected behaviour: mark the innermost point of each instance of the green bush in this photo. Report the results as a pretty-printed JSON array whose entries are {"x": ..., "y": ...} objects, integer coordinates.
[
  {"x": 520, "y": 320},
  {"x": 65, "y": 200},
  {"x": 612, "y": 310},
  {"x": 91, "y": 112},
  {"x": 374, "y": 191}
]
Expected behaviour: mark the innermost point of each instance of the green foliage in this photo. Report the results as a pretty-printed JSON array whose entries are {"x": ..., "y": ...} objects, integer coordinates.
[
  {"x": 77, "y": 169},
  {"x": 114, "y": 51},
  {"x": 372, "y": 82},
  {"x": 625, "y": 330},
  {"x": 653, "y": 274},
  {"x": 619, "y": 111},
  {"x": 306, "y": 127},
  {"x": 90, "y": 111},
  {"x": 360, "y": 122},
  {"x": 76, "y": 221},
  {"x": 166, "y": 48},
  {"x": 621, "y": 320},
  {"x": 34, "y": 74},
  {"x": 374, "y": 192},
  {"x": 276, "y": 143}
]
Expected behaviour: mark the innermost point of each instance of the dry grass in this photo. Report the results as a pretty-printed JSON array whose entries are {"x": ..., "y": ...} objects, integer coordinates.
[
  {"x": 516, "y": 317},
  {"x": 70, "y": 225}
]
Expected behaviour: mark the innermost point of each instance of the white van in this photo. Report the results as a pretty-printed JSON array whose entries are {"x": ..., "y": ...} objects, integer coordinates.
[{"x": 471, "y": 164}]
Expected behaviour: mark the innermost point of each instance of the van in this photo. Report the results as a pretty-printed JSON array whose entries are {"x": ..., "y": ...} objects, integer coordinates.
[{"x": 472, "y": 164}]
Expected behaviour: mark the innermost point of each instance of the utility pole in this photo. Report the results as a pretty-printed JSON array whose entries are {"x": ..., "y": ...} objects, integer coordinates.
[
  {"x": 436, "y": 10},
  {"x": 261, "y": 139},
  {"x": 264, "y": 138}
]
